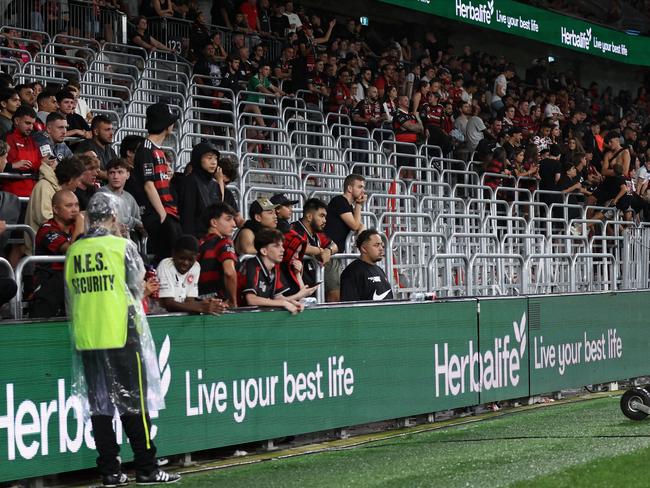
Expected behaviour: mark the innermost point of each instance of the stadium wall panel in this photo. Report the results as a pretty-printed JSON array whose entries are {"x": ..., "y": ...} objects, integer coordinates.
[{"x": 252, "y": 376}]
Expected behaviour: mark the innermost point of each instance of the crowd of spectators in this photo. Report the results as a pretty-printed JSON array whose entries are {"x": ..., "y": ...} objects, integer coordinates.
[{"x": 527, "y": 126}]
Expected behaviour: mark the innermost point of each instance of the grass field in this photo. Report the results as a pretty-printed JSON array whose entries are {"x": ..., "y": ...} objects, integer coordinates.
[{"x": 586, "y": 443}]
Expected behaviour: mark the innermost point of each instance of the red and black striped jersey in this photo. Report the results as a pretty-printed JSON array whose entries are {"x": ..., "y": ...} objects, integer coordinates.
[
  {"x": 150, "y": 160},
  {"x": 214, "y": 250},
  {"x": 432, "y": 114},
  {"x": 49, "y": 239}
]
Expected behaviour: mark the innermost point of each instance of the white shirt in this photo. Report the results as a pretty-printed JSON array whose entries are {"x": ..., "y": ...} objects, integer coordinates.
[
  {"x": 474, "y": 131},
  {"x": 499, "y": 82},
  {"x": 643, "y": 174},
  {"x": 82, "y": 108},
  {"x": 175, "y": 285},
  {"x": 551, "y": 110}
]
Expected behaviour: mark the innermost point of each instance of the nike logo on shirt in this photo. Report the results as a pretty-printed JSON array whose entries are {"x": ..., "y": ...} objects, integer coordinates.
[{"x": 377, "y": 298}]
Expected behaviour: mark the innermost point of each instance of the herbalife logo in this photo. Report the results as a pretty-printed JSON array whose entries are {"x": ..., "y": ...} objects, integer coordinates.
[
  {"x": 478, "y": 13},
  {"x": 495, "y": 368},
  {"x": 25, "y": 424},
  {"x": 580, "y": 40}
]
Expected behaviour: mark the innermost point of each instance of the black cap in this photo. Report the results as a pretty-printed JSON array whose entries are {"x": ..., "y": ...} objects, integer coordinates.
[
  {"x": 281, "y": 199},
  {"x": 514, "y": 130},
  {"x": 159, "y": 117}
]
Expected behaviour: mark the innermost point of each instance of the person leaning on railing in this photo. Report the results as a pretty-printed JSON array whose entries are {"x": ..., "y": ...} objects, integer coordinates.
[{"x": 142, "y": 38}]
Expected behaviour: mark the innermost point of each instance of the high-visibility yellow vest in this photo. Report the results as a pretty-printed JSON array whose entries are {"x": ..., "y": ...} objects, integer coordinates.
[{"x": 95, "y": 274}]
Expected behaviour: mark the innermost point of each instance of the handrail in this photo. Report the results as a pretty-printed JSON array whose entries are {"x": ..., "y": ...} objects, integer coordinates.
[{"x": 18, "y": 299}]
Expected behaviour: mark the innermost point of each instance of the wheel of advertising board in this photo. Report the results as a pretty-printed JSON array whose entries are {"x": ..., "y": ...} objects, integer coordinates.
[{"x": 632, "y": 397}]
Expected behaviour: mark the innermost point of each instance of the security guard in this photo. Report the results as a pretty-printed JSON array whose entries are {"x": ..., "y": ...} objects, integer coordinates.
[{"x": 104, "y": 278}]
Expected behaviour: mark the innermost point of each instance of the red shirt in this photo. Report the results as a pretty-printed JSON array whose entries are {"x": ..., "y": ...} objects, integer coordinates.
[
  {"x": 250, "y": 11},
  {"x": 402, "y": 134},
  {"x": 22, "y": 147},
  {"x": 340, "y": 96}
]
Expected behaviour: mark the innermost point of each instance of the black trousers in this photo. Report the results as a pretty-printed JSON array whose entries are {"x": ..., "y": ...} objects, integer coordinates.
[
  {"x": 116, "y": 377},
  {"x": 162, "y": 236},
  {"x": 49, "y": 298},
  {"x": 8, "y": 290}
]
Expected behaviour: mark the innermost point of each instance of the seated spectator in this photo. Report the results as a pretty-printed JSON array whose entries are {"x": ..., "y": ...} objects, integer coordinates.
[
  {"x": 284, "y": 211},
  {"x": 24, "y": 155},
  {"x": 217, "y": 255},
  {"x": 151, "y": 175},
  {"x": 88, "y": 182},
  {"x": 179, "y": 280},
  {"x": 209, "y": 66},
  {"x": 200, "y": 189},
  {"x": 233, "y": 79},
  {"x": 81, "y": 106},
  {"x": 261, "y": 215},
  {"x": 119, "y": 171},
  {"x": 54, "y": 176},
  {"x": 77, "y": 125},
  {"x": 343, "y": 217},
  {"x": 142, "y": 38},
  {"x": 157, "y": 8},
  {"x": 9, "y": 103},
  {"x": 47, "y": 104},
  {"x": 390, "y": 103},
  {"x": 52, "y": 141},
  {"x": 261, "y": 281},
  {"x": 26, "y": 95},
  {"x": 282, "y": 68},
  {"x": 102, "y": 131},
  {"x": 8, "y": 286},
  {"x": 54, "y": 238},
  {"x": 362, "y": 279},
  {"x": 307, "y": 238}
]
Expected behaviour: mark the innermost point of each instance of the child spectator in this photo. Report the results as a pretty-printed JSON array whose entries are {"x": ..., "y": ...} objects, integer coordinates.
[
  {"x": 284, "y": 211},
  {"x": 179, "y": 280},
  {"x": 260, "y": 278},
  {"x": 217, "y": 255}
]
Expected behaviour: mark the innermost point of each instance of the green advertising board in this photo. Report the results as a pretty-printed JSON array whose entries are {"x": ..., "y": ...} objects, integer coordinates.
[
  {"x": 540, "y": 25},
  {"x": 576, "y": 340},
  {"x": 251, "y": 376}
]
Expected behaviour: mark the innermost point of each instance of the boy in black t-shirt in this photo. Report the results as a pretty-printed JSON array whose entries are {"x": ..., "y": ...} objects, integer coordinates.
[
  {"x": 261, "y": 280},
  {"x": 343, "y": 217},
  {"x": 363, "y": 280}
]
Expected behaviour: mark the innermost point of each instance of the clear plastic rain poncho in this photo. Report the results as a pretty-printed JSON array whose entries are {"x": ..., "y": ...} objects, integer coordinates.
[{"x": 107, "y": 380}]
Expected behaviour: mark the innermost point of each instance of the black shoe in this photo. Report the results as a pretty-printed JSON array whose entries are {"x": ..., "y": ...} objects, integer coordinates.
[
  {"x": 157, "y": 477},
  {"x": 117, "y": 479}
]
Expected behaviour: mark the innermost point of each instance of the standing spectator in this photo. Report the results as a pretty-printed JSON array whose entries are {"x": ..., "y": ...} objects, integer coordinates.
[
  {"x": 279, "y": 21},
  {"x": 390, "y": 103},
  {"x": 261, "y": 83},
  {"x": 8, "y": 286},
  {"x": 88, "y": 181},
  {"x": 261, "y": 281},
  {"x": 362, "y": 279},
  {"x": 341, "y": 99},
  {"x": 284, "y": 211},
  {"x": 498, "y": 165},
  {"x": 9, "y": 103},
  {"x": 501, "y": 87},
  {"x": 200, "y": 189},
  {"x": 282, "y": 68},
  {"x": 249, "y": 9},
  {"x": 543, "y": 138},
  {"x": 550, "y": 171},
  {"x": 368, "y": 112},
  {"x": 514, "y": 141},
  {"x": 217, "y": 255},
  {"x": 294, "y": 20},
  {"x": 343, "y": 217},
  {"x": 160, "y": 217},
  {"x": 405, "y": 124},
  {"x": 102, "y": 131},
  {"x": 179, "y": 280},
  {"x": 77, "y": 125},
  {"x": 551, "y": 110},
  {"x": 307, "y": 238},
  {"x": 594, "y": 143},
  {"x": 261, "y": 215},
  {"x": 615, "y": 154},
  {"x": 386, "y": 78},
  {"x": 522, "y": 118},
  {"x": 433, "y": 117},
  {"x": 54, "y": 238},
  {"x": 24, "y": 155},
  {"x": 264, "y": 16},
  {"x": 118, "y": 172}
]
